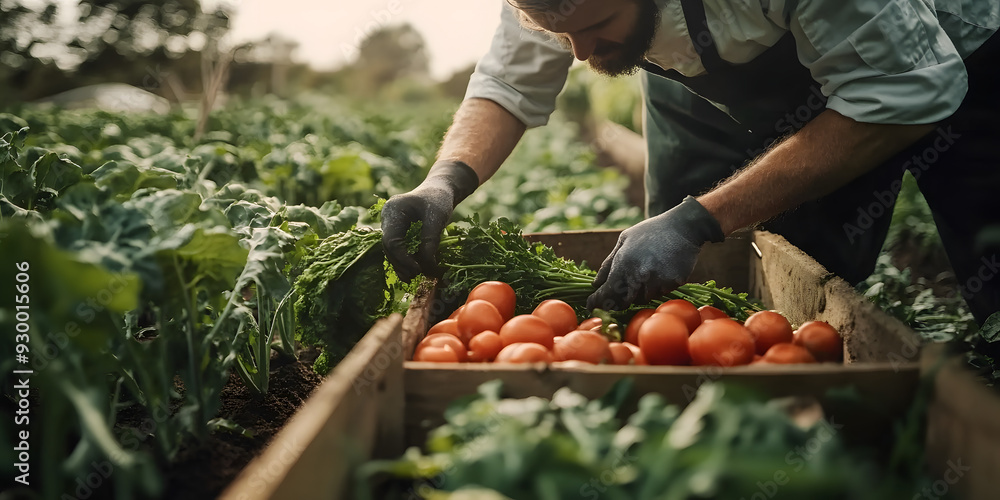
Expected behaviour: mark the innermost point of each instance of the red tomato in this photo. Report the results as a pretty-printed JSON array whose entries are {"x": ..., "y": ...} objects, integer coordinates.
[
  {"x": 437, "y": 354},
  {"x": 457, "y": 312},
  {"x": 442, "y": 340},
  {"x": 485, "y": 346},
  {"x": 527, "y": 328},
  {"x": 524, "y": 352},
  {"x": 498, "y": 293},
  {"x": 590, "y": 324},
  {"x": 768, "y": 328},
  {"x": 721, "y": 342},
  {"x": 632, "y": 330},
  {"x": 663, "y": 340},
  {"x": 478, "y": 316},
  {"x": 558, "y": 314},
  {"x": 710, "y": 312},
  {"x": 446, "y": 326},
  {"x": 683, "y": 309},
  {"x": 620, "y": 353},
  {"x": 637, "y": 356},
  {"x": 822, "y": 340},
  {"x": 786, "y": 353},
  {"x": 583, "y": 345}
]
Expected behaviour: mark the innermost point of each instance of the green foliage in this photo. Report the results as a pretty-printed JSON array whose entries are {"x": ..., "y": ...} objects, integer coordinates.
[
  {"x": 155, "y": 275},
  {"x": 471, "y": 253},
  {"x": 727, "y": 443},
  {"x": 341, "y": 290},
  {"x": 935, "y": 318},
  {"x": 936, "y": 313},
  {"x": 221, "y": 251},
  {"x": 322, "y": 363}
]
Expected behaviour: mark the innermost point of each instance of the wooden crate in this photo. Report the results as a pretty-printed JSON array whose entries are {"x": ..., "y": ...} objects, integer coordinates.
[
  {"x": 963, "y": 430},
  {"x": 881, "y": 354},
  {"x": 376, "y": 401}
]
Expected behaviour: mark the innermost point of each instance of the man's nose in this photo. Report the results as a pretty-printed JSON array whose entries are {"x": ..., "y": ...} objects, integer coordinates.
[{"x": 583, "y": 46}]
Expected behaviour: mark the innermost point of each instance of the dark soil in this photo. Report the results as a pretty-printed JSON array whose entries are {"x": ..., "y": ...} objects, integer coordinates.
[{"x": 203, "y": 470}]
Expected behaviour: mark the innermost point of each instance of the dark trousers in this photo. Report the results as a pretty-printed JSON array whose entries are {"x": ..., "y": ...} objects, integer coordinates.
[{"x": 693, "y": 145}]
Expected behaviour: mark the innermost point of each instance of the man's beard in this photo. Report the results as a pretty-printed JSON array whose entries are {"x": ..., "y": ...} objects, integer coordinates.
[{"x": 624, "y": 58}]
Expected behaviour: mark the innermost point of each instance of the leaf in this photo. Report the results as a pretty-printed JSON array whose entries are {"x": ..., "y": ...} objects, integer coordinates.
[
  {"x": 326, "y": 221},
  {"x": 245, "y": 216},
  {"x": 219, "y": 424},
  {"x": 51, "y": 171},
  {"x": 213, "y": 258},
  {"x": 123, "y": 179},
  {"x": 169, "y": 209},
  {"x": 991, "y": 328}
]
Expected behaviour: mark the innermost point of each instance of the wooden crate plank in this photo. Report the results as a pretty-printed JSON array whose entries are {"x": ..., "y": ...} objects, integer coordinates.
[
  {"x": 963, "y": 426},
  {"x": 431, "y": 387},
  {"x": 788, "y": 280}
]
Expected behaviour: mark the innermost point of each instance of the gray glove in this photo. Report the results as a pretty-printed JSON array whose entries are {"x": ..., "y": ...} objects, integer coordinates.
[
  {"x": 433, "y": 201},
  {"x": 655, "y": 256}
]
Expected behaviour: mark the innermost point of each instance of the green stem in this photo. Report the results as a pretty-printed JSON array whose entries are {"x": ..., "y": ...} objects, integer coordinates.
[{"x": 193, "y": 351}]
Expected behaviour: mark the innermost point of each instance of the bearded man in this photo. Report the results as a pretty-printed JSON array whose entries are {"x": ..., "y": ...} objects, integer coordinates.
[{"x": 798, "y": 115}]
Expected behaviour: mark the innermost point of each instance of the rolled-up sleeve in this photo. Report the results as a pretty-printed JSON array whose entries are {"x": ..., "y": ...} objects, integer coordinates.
[
  {"x": 880, "y": 61},
  {"x": 523, "y": 71}
]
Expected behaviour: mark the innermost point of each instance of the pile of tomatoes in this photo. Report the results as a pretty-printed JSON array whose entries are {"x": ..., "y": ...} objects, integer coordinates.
[{"x": 485, "y": 329}]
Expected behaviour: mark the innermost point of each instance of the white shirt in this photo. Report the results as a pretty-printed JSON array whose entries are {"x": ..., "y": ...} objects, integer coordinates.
[{"x": 878, "y": 61}]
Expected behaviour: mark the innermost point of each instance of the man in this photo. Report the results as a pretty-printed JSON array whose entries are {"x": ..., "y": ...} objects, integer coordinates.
[{"x": 832, "y": 102}]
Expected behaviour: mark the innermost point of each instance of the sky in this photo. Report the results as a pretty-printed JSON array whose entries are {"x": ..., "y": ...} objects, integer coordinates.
[{"x": 457, "y": 32}]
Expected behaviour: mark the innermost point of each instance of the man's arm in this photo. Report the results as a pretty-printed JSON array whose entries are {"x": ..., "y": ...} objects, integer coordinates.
[
  {"x": 482, "y": 136},
  {"x": 826, "y": 154}
]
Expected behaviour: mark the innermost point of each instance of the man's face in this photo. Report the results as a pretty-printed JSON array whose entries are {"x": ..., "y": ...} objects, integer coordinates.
[{"x": 613, "y": 37}]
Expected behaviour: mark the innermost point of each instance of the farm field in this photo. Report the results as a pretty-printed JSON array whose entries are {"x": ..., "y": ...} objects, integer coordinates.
[
  {"x": 196, "y": 304},
  {"x": 162, "y": 270}
]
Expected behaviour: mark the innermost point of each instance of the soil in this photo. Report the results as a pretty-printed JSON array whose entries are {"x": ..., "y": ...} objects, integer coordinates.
[{"x": 203, "y": 470}]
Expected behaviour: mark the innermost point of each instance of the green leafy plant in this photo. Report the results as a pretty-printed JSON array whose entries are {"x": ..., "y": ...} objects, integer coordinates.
[
  {"x": 472, "y": 253},
  {"x": 727, "y": 443}
]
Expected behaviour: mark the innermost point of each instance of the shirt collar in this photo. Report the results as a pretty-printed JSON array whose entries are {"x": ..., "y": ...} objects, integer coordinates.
[{"x": 672, "y": 47}]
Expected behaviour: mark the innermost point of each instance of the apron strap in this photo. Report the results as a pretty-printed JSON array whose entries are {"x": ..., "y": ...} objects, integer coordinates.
[{"x": 701, "y": 37}]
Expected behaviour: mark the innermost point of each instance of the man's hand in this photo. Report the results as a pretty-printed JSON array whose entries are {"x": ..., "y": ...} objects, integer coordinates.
[
  {"x": 432, "y": 202},
  {"x": 654, "y": 257}
]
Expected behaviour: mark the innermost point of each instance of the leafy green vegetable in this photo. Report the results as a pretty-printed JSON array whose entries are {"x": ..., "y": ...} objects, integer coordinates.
[
  {"x": 412, "y": 237},
  {"x": 471, "y": 253},
  {"x": 341, "y": 290}
]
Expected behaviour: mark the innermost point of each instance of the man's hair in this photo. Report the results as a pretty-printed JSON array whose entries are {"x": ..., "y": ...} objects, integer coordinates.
[
  {"x": 533, "y": 7},
  {"x": 536, "y": 6}
]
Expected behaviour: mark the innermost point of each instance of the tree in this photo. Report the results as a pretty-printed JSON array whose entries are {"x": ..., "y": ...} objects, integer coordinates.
[
  {"x": 128, "y": 41},
  {"x": 388, "y": 55}
]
